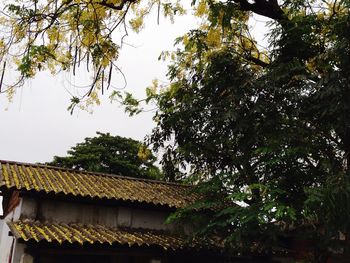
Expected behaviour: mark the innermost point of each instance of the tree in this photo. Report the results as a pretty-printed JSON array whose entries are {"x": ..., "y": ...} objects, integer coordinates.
[
  {"x": 263, "y": 132},
  {"x": 111, "y": 154},
  {"x": 67, "y": 35}
]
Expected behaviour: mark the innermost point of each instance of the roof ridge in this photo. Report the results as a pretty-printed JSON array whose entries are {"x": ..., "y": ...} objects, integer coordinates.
[{"x": 94, "y": 173}]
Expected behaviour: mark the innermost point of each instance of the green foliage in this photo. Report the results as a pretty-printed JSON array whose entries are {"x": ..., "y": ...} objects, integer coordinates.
[
  {"x": 111, "y": 154},
  {"x": 264, "y": 133},
  {"x": 63, "y": 35}
]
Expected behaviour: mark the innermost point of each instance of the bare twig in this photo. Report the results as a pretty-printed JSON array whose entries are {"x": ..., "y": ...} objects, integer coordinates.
[{"x": 2, "y": 74}]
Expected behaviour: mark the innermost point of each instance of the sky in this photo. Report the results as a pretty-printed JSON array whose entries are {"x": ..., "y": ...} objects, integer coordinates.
[{"x": 36, "y": 125}]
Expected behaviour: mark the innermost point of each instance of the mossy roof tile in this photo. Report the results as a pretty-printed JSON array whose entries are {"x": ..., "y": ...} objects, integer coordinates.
[
  {"x": 30, "y": 230},
  {"x": 48, "y": 179}
]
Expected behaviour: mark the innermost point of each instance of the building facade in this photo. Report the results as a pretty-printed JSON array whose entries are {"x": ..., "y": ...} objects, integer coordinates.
[{"x": 61, "y": 215}]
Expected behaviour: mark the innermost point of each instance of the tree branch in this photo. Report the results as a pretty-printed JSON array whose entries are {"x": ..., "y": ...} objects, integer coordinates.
[
  {"x": 267, "y": 8},
  {"x": 115, "y": 7},
  {"x": 257, "y": 61}
]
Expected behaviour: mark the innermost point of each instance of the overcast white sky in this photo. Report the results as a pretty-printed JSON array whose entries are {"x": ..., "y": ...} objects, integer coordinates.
[{"x": 36, "y": 125}]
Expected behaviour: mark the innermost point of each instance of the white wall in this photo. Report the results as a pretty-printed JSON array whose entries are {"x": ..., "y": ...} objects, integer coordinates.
[
  {"x": 69, "y": 212},
  {"x": 6, "y": 240},
  {"x": 1, "y": 209}
]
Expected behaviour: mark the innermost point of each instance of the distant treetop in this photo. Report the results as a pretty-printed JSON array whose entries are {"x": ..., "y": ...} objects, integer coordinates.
[{"x": 111, "y": 154}]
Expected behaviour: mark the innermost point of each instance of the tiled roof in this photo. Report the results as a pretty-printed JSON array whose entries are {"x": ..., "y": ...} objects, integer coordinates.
[
  {"x": 96, "y": 234},
  {"x": 42, "y": 178}
]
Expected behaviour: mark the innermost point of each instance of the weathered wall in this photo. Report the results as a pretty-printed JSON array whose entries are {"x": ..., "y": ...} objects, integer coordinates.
[
  {"x": 9, "y": 247},
  {"x": 68, "y": 212}
]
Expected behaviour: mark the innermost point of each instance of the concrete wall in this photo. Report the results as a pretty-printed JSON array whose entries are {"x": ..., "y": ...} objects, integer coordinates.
[
  {"x": 68, "y": 212},
  {"x": 9, "y": 247}
]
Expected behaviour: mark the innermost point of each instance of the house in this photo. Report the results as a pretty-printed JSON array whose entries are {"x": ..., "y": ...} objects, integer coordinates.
[{"x": 54, "y": 215}]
